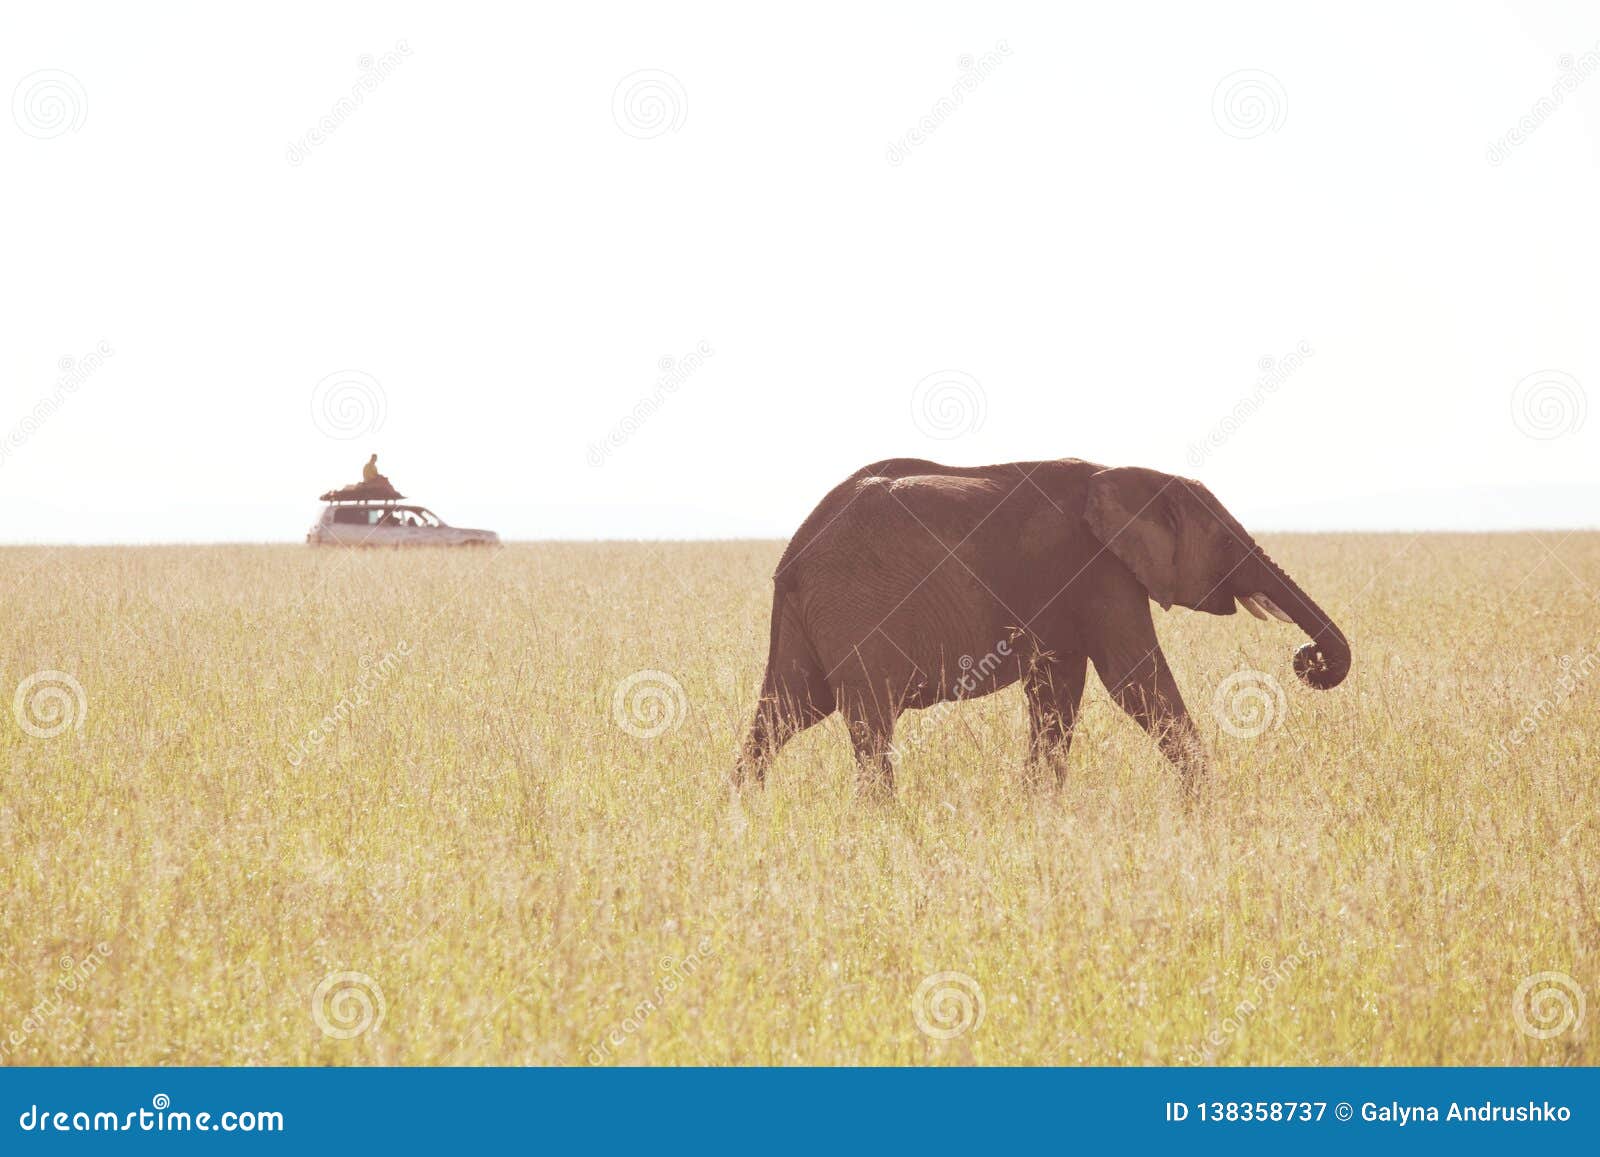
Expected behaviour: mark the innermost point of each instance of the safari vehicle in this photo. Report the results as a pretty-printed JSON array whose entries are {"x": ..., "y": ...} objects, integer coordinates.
[{"x": 364, "y": 523}]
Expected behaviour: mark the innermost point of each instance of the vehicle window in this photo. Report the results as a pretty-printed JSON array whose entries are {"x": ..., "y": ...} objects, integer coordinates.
[{"x": 386, "y": 516}]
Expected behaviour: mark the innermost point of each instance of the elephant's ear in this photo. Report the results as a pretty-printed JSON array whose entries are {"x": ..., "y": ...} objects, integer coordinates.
[{"x": 1130, "y": 511}]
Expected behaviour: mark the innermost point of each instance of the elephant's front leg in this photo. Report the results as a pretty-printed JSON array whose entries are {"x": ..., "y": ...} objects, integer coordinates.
[
  {"x": 1054, "y": 686},
  {"x": 1142, "y": 684}
]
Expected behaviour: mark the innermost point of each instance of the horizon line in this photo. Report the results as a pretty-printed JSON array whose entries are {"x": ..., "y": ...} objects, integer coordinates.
[{"x": 679, "y": 539}]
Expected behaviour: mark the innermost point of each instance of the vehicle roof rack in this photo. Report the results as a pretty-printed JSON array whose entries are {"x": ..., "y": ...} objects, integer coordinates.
[{"x": 378, "y": 490}]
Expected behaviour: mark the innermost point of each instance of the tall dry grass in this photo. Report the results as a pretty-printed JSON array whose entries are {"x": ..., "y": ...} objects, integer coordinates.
[{"x": 526, "y": 882}]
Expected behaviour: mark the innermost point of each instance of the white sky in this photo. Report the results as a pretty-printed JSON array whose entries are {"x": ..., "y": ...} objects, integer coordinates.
[{"x": 1080, "y": 238}]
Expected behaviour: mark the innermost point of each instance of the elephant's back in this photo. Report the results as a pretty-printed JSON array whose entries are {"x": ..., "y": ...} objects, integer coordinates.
[
  {"x": 826, "y": 513},
  {"x": 972, "y": 493}
]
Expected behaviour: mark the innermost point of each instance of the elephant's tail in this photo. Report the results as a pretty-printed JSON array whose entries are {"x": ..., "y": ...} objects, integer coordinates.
[
  {"x": 780, "y": 601},
  {"x": 795, "y": 676}
]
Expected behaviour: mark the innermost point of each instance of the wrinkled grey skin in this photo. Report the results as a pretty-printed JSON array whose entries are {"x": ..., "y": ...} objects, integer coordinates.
[{"x": 913, "y": 583}]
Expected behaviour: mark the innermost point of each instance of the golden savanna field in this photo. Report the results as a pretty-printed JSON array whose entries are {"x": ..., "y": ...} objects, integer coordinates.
[{"x": 332, "y": 807}]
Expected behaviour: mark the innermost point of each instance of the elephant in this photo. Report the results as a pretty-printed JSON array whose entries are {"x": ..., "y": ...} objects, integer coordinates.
[{"x": 914, "y": 584}]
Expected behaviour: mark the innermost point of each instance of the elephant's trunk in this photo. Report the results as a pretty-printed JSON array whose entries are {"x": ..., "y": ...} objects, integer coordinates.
[{"x": 1325, "y": 660}]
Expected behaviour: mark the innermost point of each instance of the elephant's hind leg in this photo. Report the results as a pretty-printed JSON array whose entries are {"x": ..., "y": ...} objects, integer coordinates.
[
  {"x": 779, "y": 717},
  {"x": 871, "y": 722},
  {"x": 794, "y": 694},
  {"x": 1054, "y": 686}
]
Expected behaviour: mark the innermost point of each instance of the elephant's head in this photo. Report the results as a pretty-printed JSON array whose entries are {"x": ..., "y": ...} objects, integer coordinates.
[{"x": 1185, "y": 548}]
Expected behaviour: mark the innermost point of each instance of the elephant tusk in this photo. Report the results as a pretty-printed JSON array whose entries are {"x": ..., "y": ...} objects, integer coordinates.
[
  {"x": 1272, "y": 608},
  {"x": 1248, "y": 603}
]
